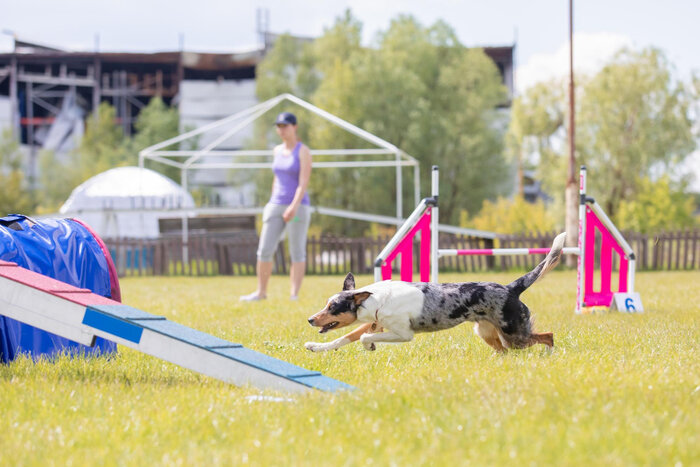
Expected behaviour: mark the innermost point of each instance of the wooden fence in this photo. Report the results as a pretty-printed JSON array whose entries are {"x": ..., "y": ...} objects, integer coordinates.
[{"x": 235, "y": 253}]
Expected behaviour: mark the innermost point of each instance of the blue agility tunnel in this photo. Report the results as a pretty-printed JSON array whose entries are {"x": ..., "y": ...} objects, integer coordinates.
[{"x": 66, "y": 250}]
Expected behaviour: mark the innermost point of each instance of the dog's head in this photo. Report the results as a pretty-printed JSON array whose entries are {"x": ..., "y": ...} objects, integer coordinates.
[{"x": 341, "y": 309}]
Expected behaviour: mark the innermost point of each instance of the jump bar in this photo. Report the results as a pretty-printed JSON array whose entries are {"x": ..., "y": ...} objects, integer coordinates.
[{"x": 504, "y": 251}]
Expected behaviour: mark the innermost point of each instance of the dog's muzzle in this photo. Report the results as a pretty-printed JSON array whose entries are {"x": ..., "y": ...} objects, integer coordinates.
[{"x": 324, "y": 328}]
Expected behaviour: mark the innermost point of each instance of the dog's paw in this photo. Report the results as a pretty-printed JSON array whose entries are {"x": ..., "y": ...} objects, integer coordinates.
[
  {"x": 366, "y": 342},
  {"x": 316, "y": 346}
]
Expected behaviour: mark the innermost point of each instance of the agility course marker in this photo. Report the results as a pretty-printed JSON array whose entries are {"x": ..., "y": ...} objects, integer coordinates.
[
  {"x": 80, "y": 315},
  {"x": 592, "y": 219}
]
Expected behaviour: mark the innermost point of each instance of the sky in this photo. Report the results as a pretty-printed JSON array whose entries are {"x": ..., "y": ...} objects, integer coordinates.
[{"x": 538, "y": 28}]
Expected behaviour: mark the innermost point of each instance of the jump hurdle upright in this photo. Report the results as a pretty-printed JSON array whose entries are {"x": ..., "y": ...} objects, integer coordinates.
[{"x": 423, "y": 222}]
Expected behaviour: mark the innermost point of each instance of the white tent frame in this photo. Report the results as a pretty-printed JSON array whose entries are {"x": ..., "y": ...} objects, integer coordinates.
[{"x": 192, "y": 160}]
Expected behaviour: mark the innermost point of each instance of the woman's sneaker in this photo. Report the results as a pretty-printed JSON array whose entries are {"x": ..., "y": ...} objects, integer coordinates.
[{"x": 253, "y": 297}]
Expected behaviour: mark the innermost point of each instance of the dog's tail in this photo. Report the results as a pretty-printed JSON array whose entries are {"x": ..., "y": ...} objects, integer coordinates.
[{"x": 549, "y": 263}]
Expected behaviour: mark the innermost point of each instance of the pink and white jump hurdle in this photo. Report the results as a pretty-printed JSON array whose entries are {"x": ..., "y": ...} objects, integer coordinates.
[{"x": 423, "y": 223}]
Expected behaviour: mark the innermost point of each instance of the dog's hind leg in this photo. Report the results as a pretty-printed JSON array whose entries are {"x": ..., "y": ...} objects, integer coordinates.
[
  {"x": 546, "y": 338},
  {"x": 489, "y": 334},
  {"x": 523, "y": 342}
]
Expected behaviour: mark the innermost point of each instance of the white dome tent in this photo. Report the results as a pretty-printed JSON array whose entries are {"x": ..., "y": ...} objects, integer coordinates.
[{"x": 127, "y": 202}]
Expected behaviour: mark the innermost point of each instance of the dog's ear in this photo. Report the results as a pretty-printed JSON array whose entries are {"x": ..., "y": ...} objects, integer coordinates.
[
  {"x": 349, "y": 282},
  {"x": 360, "y": 297}
]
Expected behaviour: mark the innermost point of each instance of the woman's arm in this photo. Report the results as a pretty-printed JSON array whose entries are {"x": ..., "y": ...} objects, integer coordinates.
[{"x": 304, "y": 176}]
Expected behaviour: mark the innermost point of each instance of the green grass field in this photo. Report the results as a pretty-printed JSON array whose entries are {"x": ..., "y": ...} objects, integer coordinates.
[{"x": 618, "y": 389}]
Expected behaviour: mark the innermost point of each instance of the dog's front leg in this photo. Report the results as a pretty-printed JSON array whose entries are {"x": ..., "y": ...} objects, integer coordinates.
[
  {"x": 348, "y": 338},
  {"x": 369, "y": 340}
]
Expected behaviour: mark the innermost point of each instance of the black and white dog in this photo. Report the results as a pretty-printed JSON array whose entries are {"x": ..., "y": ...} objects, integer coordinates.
[{"x": 394, "y": 311}]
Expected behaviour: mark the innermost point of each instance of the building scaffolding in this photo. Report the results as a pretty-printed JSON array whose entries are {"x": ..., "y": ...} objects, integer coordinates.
[{"x": 37, "y": 79}]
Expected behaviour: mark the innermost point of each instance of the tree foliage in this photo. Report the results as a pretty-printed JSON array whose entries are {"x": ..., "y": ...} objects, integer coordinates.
[
  {"x": 511, "y": 216},
  {"x": 15, "y": 195},
  {"x": 659, "y": 206},
  {"x": 633, "y": 123},
  {"x": 155, "y": 123},
  {"x": 416, "y": 87},
  {"x": 104, "y": 146}
]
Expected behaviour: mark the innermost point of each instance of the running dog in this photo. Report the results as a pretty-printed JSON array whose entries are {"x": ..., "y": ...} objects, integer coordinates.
[{"x": 394, "y": 311}]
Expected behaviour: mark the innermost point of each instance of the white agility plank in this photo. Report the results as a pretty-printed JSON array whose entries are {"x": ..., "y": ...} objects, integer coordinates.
[
  {"x": 25, "y": 305},
  {"x": 79, "y": 315}
]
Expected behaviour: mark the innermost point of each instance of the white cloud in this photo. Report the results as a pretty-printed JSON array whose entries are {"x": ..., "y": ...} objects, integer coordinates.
[
  {"x": 6, "y": 43},
  {"x": 591, "y": 52}
]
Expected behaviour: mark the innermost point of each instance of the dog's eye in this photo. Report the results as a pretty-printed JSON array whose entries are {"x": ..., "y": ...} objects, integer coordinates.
[{"x": 339, "y": 307}]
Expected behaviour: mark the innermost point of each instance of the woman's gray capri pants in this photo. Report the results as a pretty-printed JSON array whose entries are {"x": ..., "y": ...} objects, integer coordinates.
[{"x": 273, "y": 226}]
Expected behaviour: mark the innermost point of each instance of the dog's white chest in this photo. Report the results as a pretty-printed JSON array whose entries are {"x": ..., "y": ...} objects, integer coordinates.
[{"x": 391, "y": 301}]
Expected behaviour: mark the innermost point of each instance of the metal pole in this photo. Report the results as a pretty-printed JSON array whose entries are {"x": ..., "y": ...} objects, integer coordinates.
[
  {"x": 399, "y": 191},
  {"x": 126, "y": 119},
  {"x": 572, "y": 157},
  {"x": 210, "y": 126},
  {"x": 97, "y": 88},
  {"x": 226, "y": 135},
  {"x": 30, "y": 134},
  {"x": 349, "y": 127},
  {"x": 570, "y": 194},
  {"x": 630, "y": 275},
  {"x": 416, "y": 184},
  {"x": 581, "y": 240},
  {"x": 14, "y": 108},
  {"x": 434, "y": 232},
  {"x": 185, "y": 229}
]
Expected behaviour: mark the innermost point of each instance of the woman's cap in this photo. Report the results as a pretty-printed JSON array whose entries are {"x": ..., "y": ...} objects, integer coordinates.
[{"x": 286, "y": 118}]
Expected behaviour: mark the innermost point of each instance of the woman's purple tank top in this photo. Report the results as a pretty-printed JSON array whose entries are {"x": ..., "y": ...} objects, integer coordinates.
[{"x": 286, "y": 169}]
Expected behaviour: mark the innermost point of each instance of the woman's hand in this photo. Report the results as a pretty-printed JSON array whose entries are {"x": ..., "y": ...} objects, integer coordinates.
[{"x": 289, "y": 213}]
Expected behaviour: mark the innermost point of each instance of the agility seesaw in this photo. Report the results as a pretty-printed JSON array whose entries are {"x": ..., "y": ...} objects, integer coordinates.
[
  {"x": 424, "y": 221},
  {"x": 79, "y": 315}
]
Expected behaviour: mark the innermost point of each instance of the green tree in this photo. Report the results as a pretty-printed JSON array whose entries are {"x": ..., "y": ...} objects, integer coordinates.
[
  {"x": 659, "y": 206},
  {"x": 511, "y": 216},
  {"x": 56, "y": 181},
  {"x": 416, "y": 87},
  {"x": 155, "y": 123},
  {"x": 15, "y": 196},
  {"x": 537, "y": 118},
  {"x": 102, "y": 147},
  {"x": 633, "y": 121}
]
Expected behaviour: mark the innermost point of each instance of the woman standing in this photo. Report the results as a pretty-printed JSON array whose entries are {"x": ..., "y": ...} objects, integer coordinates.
[{"x": 288, "y": 207}]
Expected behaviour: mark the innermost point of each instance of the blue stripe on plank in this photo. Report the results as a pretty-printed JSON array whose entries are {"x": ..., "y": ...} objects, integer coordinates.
[
  {"x": 125, "y": 312},
  {"x": 185, "y": 334},
  {"x": 115, "y": 326},
  {"x": 265, "y": 362},
  {"x": 136, "y": 320},
  {"x": 323, "y": 383}
]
